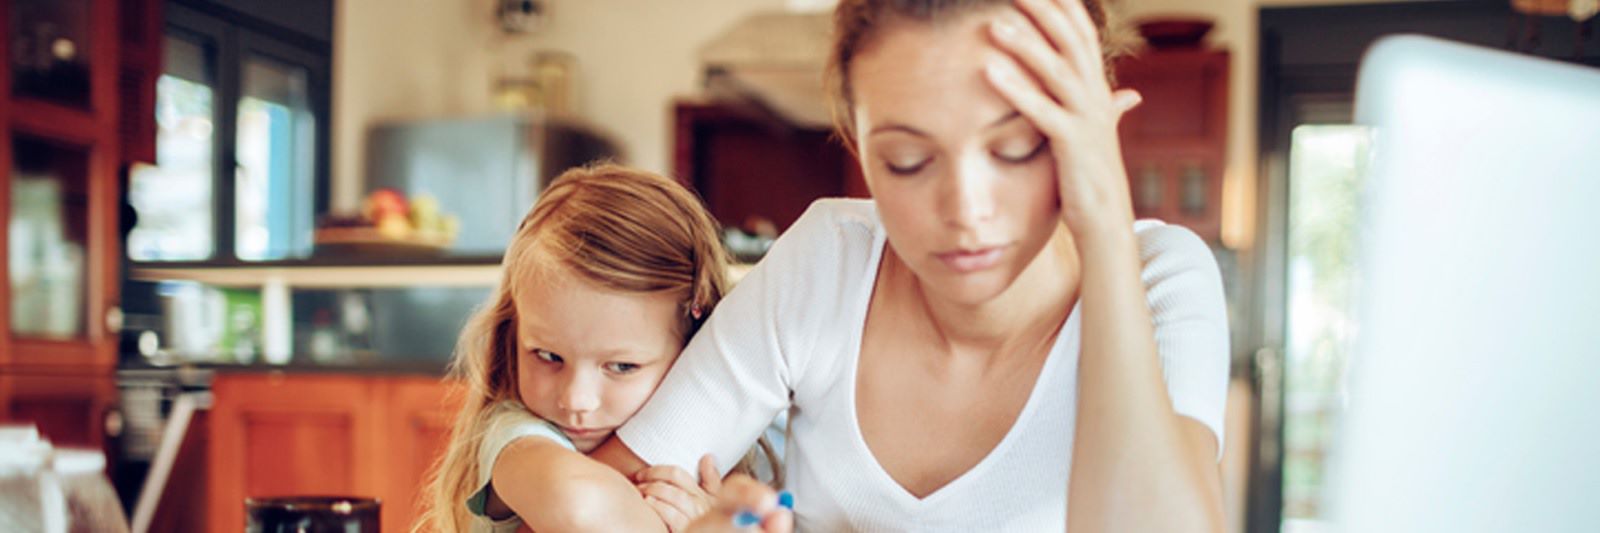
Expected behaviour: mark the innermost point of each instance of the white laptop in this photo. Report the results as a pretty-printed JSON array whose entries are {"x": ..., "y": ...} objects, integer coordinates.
[{"x": 1474, "y": 390}]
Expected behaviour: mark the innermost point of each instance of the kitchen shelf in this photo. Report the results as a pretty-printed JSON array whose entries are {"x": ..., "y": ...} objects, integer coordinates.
[
  {"x": 323, "y": 274},
  {"x": 278, "y": 280},
  {"x": 329, "y": 276}
]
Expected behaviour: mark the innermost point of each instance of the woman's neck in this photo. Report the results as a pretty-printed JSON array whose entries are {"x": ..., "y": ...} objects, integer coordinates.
[{"x": 1024, "y": 315}]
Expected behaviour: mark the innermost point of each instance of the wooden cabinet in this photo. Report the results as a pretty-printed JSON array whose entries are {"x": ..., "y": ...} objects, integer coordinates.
[
  {"x": 275, "y": 434},
  {"x": 749, "y": 164},
  {"x": 62, "y": 131},
  {"x": 70, "y": 409},
  {"x": 1175, "y": 143}
]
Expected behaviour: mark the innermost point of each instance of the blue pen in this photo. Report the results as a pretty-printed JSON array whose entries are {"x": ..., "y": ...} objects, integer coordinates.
[{"x": 746, "y": 518}]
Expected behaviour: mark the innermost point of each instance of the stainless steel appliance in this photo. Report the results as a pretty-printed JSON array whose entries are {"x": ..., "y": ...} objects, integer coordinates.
[{"x": 487, "y": 171}]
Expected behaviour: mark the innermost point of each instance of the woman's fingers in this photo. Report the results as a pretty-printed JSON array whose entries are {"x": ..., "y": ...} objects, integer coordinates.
[
  {"x": 710, "y": 477},
  {"x": 684, "y": 501},
  {"x": 1026, "y": 96},
  {"x": 1049, "y": 69},
  {"x": 1090, "y": 54},
  {"x": 667, "y": 474},
  {"x": 745, "y": 504},
  {"x": 674, "y": 518},
  {"x": 1124, "y": 100},
  {"x": 1052, "y": 23},
  {"x": 1066, "y": 24}
]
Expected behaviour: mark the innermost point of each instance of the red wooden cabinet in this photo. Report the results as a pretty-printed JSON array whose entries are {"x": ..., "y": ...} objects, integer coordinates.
[
  {"x": 275, "y": 434},
  {"x": 1175, "y": 143},
  {"x": 63, "y": 127}
]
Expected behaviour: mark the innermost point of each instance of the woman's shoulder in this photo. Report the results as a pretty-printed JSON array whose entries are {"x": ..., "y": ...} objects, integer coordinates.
[
  {"x": 1180, "y": 271},
  {"x": 1168, "y": 248},
  {"x": 833, "y": 238},
  {"x": 849, "y": 221}
]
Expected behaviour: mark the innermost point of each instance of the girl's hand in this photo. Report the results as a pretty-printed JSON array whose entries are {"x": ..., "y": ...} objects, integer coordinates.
[
  {"x": 1055, "y": 77},
  {"x": 673, "y": 494},
  {"x": 745, "y": 504}
]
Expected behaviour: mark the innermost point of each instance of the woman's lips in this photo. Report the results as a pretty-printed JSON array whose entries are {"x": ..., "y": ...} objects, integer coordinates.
[{"x": 973, "y": 260}]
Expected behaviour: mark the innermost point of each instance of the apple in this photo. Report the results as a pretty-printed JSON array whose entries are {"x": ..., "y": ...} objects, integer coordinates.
[{"x": 382, "y": 202}]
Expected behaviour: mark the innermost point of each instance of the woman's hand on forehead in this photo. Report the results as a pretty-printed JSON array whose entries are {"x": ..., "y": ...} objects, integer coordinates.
[{"x": 1054, "y": 74}]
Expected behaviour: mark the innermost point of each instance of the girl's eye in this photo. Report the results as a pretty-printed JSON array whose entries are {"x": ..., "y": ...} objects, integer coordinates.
[
  {"x": 1020, "y": 154},
  {"x": 547, "y": 356},
  {"x": 622, "y": 368}
]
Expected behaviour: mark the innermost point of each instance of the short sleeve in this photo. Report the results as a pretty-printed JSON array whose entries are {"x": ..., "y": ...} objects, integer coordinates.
[
  {"x": 508, "y": 421},
  {"x": 1189, "y": 312},
  {"x": 740, "y": 369}
]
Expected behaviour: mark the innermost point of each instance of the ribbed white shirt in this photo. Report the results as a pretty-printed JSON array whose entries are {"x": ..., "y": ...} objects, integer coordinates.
[{"x": 789, "y": 335}]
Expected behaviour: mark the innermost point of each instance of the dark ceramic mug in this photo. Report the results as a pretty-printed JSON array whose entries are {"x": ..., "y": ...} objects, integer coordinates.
[{"x": 311, "y": 514}]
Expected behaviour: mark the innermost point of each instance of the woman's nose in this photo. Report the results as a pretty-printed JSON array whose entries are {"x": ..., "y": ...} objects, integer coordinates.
[{"x": 968, "y": 193}]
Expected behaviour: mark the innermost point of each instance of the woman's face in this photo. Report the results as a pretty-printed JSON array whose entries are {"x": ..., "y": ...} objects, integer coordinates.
[
  {"x": 588, "y": 357},
  {"x": 964, "y": 184}
]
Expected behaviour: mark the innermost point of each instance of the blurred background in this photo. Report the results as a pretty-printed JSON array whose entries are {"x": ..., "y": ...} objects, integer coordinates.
[{"x": 243, "y": 234}]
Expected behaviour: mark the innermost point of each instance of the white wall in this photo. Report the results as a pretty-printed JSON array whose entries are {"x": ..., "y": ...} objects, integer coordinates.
[{"x": 402, "y": 59}]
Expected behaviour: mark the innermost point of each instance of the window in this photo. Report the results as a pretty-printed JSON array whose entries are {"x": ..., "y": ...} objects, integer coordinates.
[{"x": 241, "y": 149}]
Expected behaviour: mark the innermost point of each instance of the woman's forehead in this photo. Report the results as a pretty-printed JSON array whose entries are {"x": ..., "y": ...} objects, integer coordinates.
[{"x": 930, "y": 76}]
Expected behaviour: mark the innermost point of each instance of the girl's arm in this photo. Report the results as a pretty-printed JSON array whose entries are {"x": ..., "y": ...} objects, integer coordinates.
[
  {"x": 1137, "y": 464},
  {"x": 552, "y": 488},
  {"x": 616, "y": 454}
]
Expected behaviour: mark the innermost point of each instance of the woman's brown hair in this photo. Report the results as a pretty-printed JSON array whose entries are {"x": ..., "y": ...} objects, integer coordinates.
[{"x": 856, "y": 23}]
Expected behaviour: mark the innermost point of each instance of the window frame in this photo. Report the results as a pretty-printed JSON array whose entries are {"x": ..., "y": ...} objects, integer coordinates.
[{"x": 229, "y": 38}]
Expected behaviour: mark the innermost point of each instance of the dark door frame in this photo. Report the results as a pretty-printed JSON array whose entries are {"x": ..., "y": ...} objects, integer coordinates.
[{"x": 1308, "y": 63}]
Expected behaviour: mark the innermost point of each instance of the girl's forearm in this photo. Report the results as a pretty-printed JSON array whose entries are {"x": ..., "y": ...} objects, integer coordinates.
[
  {"x": 1135, "y": 465},
  {"x": 555, "y": 489}
]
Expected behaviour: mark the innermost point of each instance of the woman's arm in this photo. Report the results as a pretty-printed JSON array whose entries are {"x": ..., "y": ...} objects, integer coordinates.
[
  {"x": 1137, "y": 464},
  {"x": 616, "y": 454},
  {"x": 552, "y": 488}
]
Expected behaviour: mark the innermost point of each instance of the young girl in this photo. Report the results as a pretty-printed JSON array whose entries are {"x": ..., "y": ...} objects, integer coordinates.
[{"x": 605, "y": 280}]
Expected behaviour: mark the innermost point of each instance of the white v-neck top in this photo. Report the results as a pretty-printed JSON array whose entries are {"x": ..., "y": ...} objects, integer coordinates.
[{"x": 789, "y": 336}]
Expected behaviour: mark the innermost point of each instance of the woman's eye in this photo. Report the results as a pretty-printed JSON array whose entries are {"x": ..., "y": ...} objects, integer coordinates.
[
  {"x": 547, "y": 356},
  {"x": 621, "y": 368},
  {"x": 1020, "y": 153},
  {"x": 905, "y": 168}
]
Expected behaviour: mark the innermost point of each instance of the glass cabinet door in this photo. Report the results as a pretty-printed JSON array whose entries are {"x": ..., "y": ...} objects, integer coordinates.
[
  {"x": 50, "y": 51},
  {"x": 48, "y": 233}
]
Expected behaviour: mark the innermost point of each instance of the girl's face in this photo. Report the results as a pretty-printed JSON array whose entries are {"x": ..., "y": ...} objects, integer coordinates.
[
  {"x": 965, "y": 185},
  {"x": 589, "y": 357}
]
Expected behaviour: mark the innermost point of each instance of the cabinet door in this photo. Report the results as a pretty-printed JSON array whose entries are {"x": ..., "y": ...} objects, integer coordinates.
[
  {"x": 59, "y": 175},
  {"x": 1175, "y": 143},
  {"x": 277, "y": 435},
  {"x": 70, "y": 410},
  {"x": 419, "y": 413}
]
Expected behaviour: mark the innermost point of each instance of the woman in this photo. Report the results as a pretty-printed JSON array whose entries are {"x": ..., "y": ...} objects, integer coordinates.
[{"x": 992, "y": 340}]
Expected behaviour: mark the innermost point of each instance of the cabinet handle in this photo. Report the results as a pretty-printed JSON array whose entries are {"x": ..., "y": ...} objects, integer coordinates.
[
  {"x": 114, "y": 319},
  {"x": 114, "y": 423}
]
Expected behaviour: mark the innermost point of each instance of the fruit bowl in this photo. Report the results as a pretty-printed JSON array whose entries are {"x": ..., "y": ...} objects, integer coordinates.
[
  {"x": 389, "y": 225},
  {"x": 368, "y": 241}
]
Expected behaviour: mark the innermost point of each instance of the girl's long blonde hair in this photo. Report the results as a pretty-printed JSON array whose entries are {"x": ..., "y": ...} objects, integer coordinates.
[{"x": 619, "y": 228}]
